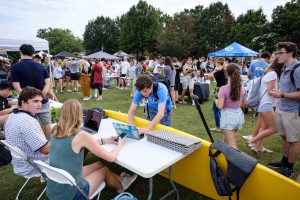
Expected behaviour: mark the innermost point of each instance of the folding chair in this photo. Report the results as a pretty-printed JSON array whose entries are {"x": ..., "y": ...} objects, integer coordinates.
[
  {"x": 63, "y": 177},
  {"x": 19, "y": 154}
]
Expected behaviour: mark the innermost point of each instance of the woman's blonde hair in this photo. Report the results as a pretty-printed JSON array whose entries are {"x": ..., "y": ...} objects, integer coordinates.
[
  {"x": 220, "y": 60},
  {"x": 70, "y": 119}
]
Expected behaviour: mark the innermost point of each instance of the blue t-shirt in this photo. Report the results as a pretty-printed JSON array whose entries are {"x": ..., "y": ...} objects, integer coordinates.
[
  {"x": 286, "y": 86},
  {"x": 163, "y": 97},
  {"x": 29, "y": 73},
  {"x": 257, "y": 68}
]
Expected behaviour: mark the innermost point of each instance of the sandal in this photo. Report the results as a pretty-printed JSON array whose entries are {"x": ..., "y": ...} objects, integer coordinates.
[
  {"x": 251, "y": 146},
  {"x": 265, "y": 150}
]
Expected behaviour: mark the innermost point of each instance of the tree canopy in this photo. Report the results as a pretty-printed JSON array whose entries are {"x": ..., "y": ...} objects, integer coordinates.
[
  {"x": 191, "y": 32},
  {"x": 60, "y": 39},
  {"x": 101, "y": 32}
]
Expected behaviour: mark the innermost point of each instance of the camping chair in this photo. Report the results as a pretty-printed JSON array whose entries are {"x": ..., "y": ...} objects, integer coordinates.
[
  {"x": 63, "y": 177},
  {"x": 19, "y": 154}
]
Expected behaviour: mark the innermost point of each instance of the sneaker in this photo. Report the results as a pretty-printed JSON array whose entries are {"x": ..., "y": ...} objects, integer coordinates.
[
  {"x": 287, "y": 172},
  {"x": 276, "y": 165},
  {"x": 69, "y": 90},
  {"x": 127, "y": 180},
  {"x": 99, "y": 98},
  {"x": 247, "y": 137},
  {"x": 193, "y": 103},
  {"x": 104, "y": 88},
  {"x": 182, "y": 101}
]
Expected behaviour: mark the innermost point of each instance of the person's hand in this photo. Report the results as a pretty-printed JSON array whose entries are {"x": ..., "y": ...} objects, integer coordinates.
[
  {"x": 275, "y": 93},
  {"x": 120, "y": 141},
  {"x": 109, "y": 140},
  {"x": 143, "y": 131}
]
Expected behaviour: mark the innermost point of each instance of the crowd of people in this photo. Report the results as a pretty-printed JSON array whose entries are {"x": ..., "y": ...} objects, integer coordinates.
[{"x": 278, "y": 109}]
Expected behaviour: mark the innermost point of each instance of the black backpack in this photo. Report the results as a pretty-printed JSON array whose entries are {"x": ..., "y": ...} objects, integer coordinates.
[
  {"x": 292, "y": 73},
  {"x": 5, "y": 155},
  {"x": 158, "y": 78},
  {"x": 239, "y": 168}
]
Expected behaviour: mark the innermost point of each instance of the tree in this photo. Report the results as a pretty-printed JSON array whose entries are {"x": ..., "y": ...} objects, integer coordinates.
[
  {"x": 286, "y": 22},
  {"x": 61, "y": 39},
  {"x": 101, "y": 32},
  {"x": 140, "y": 28},
  {"x": 178, "y": 38},
  {"x": 213, "y": 27},
  {"x": 252, "y": 30}
]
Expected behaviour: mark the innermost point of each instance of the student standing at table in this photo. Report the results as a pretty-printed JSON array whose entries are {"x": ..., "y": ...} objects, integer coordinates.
[
  {"x": 66, "y": 152},
  {"x": 158, "y": 110}
]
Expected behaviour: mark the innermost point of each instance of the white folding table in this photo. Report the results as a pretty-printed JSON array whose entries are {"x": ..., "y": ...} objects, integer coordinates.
[{"x": 142, "y": 157}]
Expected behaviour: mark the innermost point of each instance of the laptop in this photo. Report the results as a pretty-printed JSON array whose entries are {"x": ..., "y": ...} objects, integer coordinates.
[
  {"x": 92, "y": 121},
  {"x": 131, "y": 131}
]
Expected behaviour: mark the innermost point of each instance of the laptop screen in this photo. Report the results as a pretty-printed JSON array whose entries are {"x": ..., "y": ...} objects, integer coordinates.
[{"x": 93, "y": 119}]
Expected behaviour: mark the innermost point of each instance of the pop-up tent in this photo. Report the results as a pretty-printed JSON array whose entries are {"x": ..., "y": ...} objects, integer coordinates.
[
  {"x": 122, "y": 54},
  {"x": 64, "y": 54},
  {"x": 234, "y": 50},
  {"x": 11, "y": 39},
  {"x": 102, "y": 54}
]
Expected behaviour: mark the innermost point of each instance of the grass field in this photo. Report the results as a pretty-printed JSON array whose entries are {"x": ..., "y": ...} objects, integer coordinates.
[{"x": 185, "y": 118}]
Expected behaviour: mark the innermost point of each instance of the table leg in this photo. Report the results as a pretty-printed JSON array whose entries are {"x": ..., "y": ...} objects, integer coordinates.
[
  {"x": 150, "y": 188},
  {"x": 173, "y": 185}
]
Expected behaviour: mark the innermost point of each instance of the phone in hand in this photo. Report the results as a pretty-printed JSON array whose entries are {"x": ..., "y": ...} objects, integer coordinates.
[{"x": 122, "y": 135}]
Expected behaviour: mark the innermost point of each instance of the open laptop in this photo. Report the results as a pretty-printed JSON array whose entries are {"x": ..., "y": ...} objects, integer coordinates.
[
  {"x": 131, "y": 131},
  {"x": 92, "y": 121}
]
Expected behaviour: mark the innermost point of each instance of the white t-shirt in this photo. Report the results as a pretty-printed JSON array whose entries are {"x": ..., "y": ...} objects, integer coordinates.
[
  {"x": 124, "y": 67},
  {"x": 159, "y": 69},
  {"x": 271, "y": 75}
]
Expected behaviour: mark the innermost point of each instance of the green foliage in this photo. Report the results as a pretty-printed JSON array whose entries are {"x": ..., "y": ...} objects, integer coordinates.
[
  {"x": 102, "y": 31},
  {"x": 178, "y": 38},
  {"x": 55, "y": 113},
  {"x": 252, "y": 30},
  {"x": 140, "y": 28},
  {"x": 213, "y": 27},
  {"x": 286, "y": 22},
  {"x": 60, "y": 39}
]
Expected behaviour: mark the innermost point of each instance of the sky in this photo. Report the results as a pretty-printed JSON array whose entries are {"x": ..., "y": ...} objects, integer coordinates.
[{"x": 30, "y": 15}]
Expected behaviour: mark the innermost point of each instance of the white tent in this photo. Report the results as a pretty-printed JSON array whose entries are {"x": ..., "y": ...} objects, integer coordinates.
[{"x": 11, "y": 39}]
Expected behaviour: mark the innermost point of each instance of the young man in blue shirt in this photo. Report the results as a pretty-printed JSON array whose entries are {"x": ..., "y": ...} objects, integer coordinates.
[
  {"x": 158, "y": 110},
  {"x": 258, "y": 67}
]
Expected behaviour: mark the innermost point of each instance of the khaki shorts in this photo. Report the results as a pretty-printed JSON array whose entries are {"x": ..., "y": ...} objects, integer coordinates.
[
  {"x": 44, "y": 115},
  {"x": 288, "y": 125}
]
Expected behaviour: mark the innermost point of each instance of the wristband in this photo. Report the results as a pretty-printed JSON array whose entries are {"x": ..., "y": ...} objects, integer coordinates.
[
  {"x": 282, "y": 95},
  {"x": 102, "y": 141}
]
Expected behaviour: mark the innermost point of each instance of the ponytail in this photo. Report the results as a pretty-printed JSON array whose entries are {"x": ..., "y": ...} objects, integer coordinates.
[{"x": 233, "y": 71}]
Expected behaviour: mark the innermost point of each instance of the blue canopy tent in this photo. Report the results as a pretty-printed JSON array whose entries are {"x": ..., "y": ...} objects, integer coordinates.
[{"x": 234, "y": 50}]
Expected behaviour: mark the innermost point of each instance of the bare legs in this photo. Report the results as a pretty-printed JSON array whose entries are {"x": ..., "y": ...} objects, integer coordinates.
[
  {"x": 229, "y": 138},
  {"x": 96, "y": 173}
]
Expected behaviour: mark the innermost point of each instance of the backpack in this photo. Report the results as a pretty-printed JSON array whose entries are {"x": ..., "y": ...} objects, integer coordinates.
[
  {"x": 292, "y": 73},
  {"x": 239, "y": 168},
  {"x": 158, "y": 78},
  {"x": 125, "y": 196},
  {"x": 5, "y": 155},
  {"x": 253, "y": 98}
]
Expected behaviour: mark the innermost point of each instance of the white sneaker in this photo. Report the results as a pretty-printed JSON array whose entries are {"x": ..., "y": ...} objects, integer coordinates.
[
  {"x": 247, "y": 137},
  {"x": 99, "y": 98},
  {"x": 127, "y": 180}
]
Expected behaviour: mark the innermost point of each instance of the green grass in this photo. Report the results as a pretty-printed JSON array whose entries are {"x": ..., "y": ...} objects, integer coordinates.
[{"x": 185, "y": 118}]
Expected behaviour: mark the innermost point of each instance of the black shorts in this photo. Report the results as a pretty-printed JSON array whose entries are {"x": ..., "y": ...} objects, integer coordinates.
[
  {"x": 68, "y": 73},
  {"x": 177, "y": 83},
  {"x": 74, "y": 77},
  {"x": 123, "y": 75},
  {"x": 56, "y": 79}
]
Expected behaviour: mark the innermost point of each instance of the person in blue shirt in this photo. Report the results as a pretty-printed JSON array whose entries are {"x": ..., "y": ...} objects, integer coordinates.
[
  {"x": 258, "y": 66},
  {"x": 158, "y": 110}
]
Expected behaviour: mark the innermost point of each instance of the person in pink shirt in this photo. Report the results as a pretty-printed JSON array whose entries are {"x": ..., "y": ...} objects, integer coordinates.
[{"x": 230, "y": 99}]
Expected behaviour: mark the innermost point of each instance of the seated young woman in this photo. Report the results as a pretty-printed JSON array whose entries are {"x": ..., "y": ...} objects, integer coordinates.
[{"x": 66, "y": 152}]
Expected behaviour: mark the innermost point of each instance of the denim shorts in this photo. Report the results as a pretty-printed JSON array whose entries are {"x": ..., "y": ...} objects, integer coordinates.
[
  {"x": 166, "y": 120},
  {"x": 79, "y": 196},
  {"x": 44, "y": 115},
  {"x": 267, "y": 107},
  {"x": 232, "y": 119}
]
